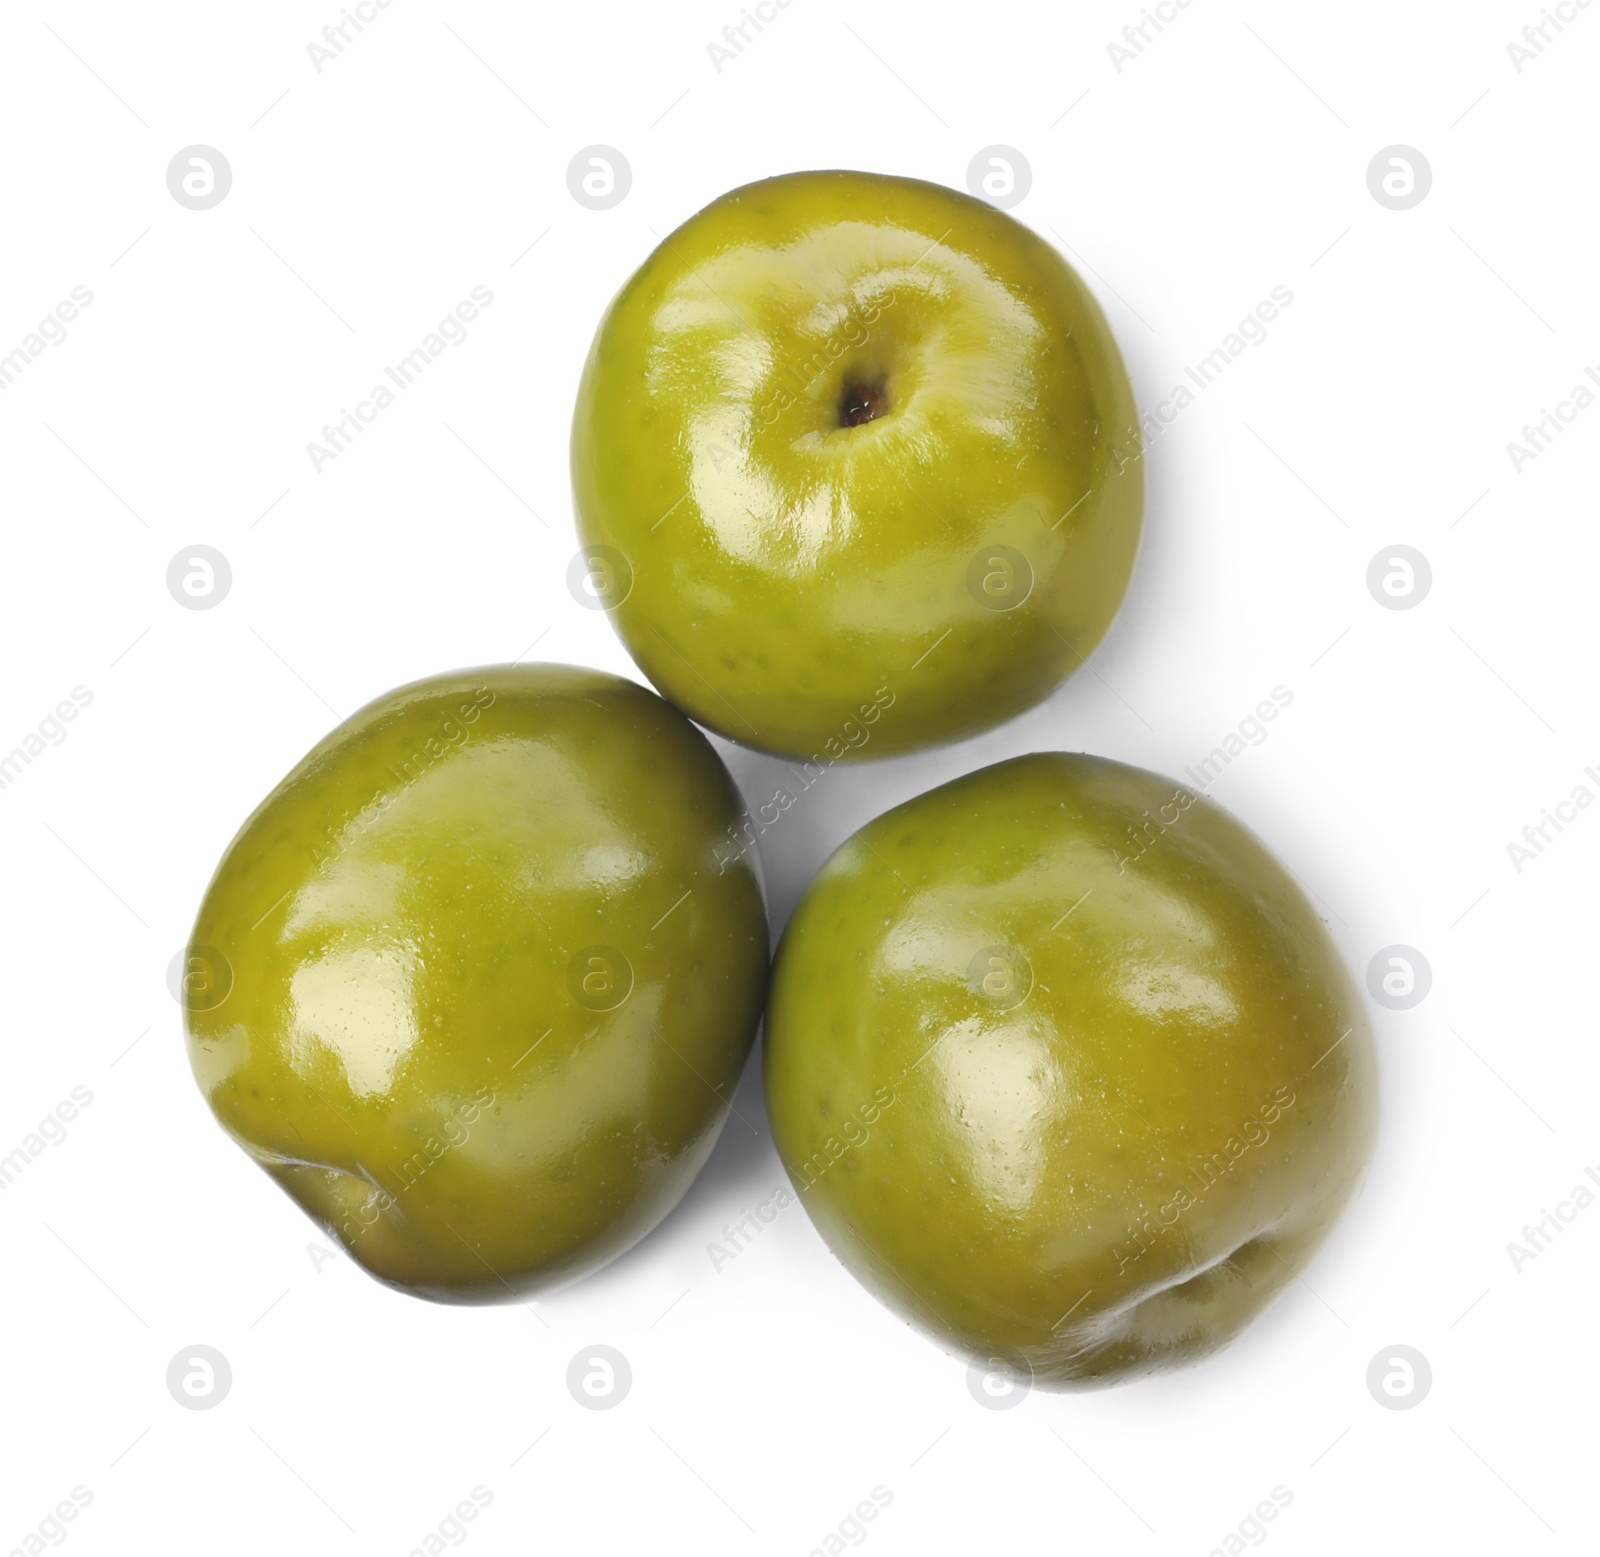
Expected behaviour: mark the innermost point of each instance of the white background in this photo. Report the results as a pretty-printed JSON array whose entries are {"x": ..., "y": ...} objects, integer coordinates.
[{"x": 772, "y": 1396}]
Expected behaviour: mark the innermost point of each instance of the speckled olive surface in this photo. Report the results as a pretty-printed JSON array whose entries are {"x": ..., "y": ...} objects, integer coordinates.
[
  {"x": 846, "y": 439},
  {"x": 476, "y": 981},
  {"x": 1065, "y": 1068}
]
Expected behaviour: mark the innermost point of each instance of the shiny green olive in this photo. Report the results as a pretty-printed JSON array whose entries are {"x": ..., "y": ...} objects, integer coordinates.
[
  {"x": 1065, "y": 1068},
  {"x": 846, "y": 441},
  {"x": 476, "y": 981}
]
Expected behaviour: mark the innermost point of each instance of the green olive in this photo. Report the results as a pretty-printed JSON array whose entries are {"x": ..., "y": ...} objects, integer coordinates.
[
  {"x": 846, "y": 441},
  {"x": 1066, "y": 1069},
  {"x": 476, "y": 981}
]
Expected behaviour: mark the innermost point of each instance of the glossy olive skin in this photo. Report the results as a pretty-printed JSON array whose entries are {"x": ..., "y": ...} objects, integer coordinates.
[
  {"x": 774, "y": 572},
  {"x": 1104, "y": 1155},
  {"x": 427, "y": 1036}
]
